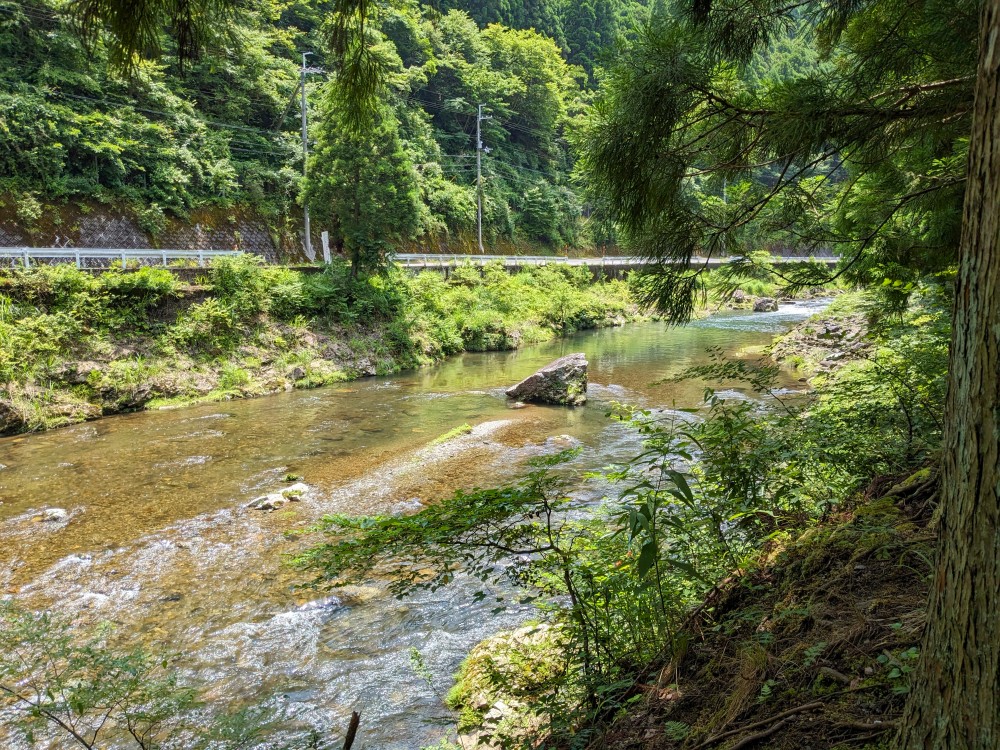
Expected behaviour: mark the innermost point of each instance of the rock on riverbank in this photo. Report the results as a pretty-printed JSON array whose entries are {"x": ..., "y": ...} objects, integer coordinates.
[
  {"x": 562, "y": 382},
  {"x": 824, "y": 342},
  {"x": 508, "y": 683}
]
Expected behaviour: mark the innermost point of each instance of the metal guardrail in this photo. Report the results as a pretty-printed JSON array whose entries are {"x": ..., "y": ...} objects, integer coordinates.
[
  {"x": 432, "y": 259},
  {"x": 428, "y": 259},
  {"x": 80, "y": 254}
]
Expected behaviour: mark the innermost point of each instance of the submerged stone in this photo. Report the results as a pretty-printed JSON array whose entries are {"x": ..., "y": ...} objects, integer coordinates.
[
  {"x": 55, "y": 515},
  {"x": 561, "y": 382},
  {"x": 272, "y": 501}
]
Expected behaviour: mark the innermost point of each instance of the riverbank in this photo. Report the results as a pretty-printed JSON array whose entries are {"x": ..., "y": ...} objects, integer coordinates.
[
  {"x": 76, "y": 347},
  {"x": 814, "y": 646},
  {"x": 808, "y": 637}
]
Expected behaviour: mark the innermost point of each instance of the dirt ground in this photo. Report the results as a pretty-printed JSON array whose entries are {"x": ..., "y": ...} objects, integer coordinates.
[{"x": 812, "y": 650}]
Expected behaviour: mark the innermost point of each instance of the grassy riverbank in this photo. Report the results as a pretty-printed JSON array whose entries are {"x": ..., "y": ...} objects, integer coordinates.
[{"x": 75, "y": 346}]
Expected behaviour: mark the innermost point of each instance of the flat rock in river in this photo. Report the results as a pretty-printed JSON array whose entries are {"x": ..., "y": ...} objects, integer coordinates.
[
  {"x": 276, "y": 500},
  {"x": 561, "y": 382}
]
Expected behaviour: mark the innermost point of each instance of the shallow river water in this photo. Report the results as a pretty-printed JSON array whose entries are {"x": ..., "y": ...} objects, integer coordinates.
[{"x": 158, "y": 541}]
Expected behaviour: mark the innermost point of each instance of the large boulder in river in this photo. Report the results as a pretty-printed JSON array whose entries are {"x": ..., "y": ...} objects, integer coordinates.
[
  {"x": 765, "y": 304},
  {"x": 562, "y": 382}
]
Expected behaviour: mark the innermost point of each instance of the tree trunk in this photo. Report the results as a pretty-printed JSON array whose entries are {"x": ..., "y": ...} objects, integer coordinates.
[{"x": 955, "y": 702}]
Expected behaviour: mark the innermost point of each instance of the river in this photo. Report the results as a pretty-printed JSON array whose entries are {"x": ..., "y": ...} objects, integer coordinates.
[{"x": 158, "y": 542}]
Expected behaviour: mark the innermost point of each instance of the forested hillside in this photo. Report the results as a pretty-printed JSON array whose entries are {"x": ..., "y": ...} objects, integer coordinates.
[{"x": 223, "y": 131}]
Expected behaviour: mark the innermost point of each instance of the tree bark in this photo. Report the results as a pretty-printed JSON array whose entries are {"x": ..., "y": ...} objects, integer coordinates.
[{"x": 955, "y": 701}]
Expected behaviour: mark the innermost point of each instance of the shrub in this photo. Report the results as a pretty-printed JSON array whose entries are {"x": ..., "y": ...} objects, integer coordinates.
[
  {"x": 286, "y": 293},
  {"x": 338, "y": 296},
  {"x": 233, "y": 378},
  {"x": 59, "y": 287},
  {"x": 130, "y": 296},
  {"x": 208, "y": 325},
  {"x": 240, "y": 281}
]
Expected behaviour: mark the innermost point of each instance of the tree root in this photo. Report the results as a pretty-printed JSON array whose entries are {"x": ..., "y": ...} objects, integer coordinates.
[
  {"x": 759, "y": 736},
  {"x": 835, "y": 675},
  {"x": 861, "y": 726},
  {"x": 780, "y": 718}
]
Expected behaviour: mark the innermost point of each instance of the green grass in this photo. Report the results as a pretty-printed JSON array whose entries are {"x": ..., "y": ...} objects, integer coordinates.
[{"x": 463, "y": 429}]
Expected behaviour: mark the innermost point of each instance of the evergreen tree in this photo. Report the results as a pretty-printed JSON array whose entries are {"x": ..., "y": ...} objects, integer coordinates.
[
  {"x": 955, "y": 702},
  {"x": 868, "y": 155},
  {"x": 541, "y": 15},
  {"x": 583, "y": 35},
  {"x": 364, "y": 184}
]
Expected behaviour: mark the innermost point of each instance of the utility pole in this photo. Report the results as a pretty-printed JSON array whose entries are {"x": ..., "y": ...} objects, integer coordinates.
[
  {"x": 305, "y": 152},
  {"x": 479, "y": 173}
]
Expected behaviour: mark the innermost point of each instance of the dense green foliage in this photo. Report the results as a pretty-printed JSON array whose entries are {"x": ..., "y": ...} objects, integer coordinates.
[
  {"x": 865, "y": 154},
  {"x": 438, "y": 70},
  {"x": 212, "y": 120},
  {"x": 74, "y": 345},
  {"x": 618, "y": 580},
  {"x": 588, "y": 30},
  {"x": 157, "y": 142}
]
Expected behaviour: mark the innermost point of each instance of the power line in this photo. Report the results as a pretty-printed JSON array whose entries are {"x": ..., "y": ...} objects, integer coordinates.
[
  {"x": 522, "y": 129},
  {"x": 527, "y": 169}
]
